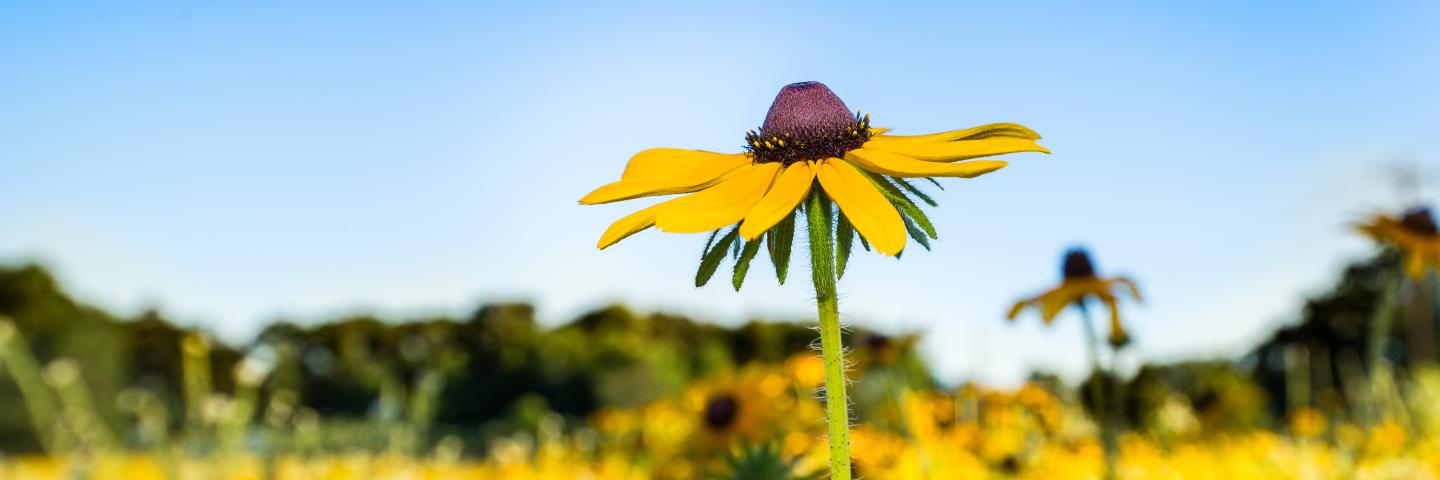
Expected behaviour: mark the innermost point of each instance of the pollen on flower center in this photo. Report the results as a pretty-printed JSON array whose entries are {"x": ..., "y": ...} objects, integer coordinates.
[
  {"x": 1419, "y": 220},
  {"x": 807, "y": 122},
  {"x": 1077, "y": 265},
  {"x": 721, "y": 411}
]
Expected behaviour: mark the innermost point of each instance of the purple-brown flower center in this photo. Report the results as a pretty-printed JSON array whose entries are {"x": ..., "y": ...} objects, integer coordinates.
[
  {"x": 1419, "y": 220},
  {"x": 807, "y": 122},
  {"x": 721, "y": 411},
  {"x": 1077, "y": 265}
]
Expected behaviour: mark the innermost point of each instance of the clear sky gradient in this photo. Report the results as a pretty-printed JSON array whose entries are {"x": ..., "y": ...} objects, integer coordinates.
[{"x": 234, "y": 164}]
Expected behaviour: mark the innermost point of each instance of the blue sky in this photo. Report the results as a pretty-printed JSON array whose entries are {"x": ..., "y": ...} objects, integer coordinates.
[{"x": 233, "y": 164}]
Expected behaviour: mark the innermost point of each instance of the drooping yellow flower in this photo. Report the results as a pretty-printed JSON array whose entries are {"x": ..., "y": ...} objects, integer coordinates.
[
  {"x": 1078, "y": 283},
  {"x": 1414, "y": 234},
  {"x": 809, "y": 137}
]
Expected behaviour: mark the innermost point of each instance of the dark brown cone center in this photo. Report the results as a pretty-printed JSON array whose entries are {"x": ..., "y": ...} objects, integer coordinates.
[
  {"x": 807, "y": 111},
  {"x": 721, "y": 411},
  {"x": 1077, "y": 264},
  {"x": 1419, "y": 220},
  {"x": 807, "y": 121}
]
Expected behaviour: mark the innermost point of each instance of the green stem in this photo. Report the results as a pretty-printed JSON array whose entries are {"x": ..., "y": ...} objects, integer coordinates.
[
  {"x": 1382, "y": 318},
  {"x": 1381, "y": 322},
  {"x": 17, "y": 358},
  {"x": 822, "y": 268},
  {"x": 1097, "y": 391}
]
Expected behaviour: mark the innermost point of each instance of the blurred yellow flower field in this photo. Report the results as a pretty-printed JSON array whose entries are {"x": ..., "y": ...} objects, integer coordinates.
[{"x": 757, "y": 413}]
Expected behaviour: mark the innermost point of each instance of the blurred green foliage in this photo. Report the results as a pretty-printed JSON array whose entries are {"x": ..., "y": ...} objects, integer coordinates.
[
  {"x": 501, "y": 371},
  {"x": 493, "y": 373}
]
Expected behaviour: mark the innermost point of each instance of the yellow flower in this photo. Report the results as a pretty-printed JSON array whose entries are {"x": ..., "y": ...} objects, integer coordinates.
[
  {"x": 1078, "y": 283},
  {"x": 744, "y": 406},
  {"x": 1387, "y": 438},
  {"x": 1414, "y": 234},
  {"x": 809, "y": 136},
  {"x": 1307, "y": 422}
]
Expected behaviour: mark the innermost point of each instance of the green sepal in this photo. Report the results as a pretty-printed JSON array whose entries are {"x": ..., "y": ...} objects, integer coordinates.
[
  {"x": 935, "y": 182},
  {"x": 844, "y": 239},
  {"x": 915, "y": 233},
  {"x": 903, "y": 203},
  {"x": 709, "y": 243},
  {"x": 914, "y": 191},
  {"x": 742, "y": 266},
  {"x": 711, "y": 260},
  {"x": 778, "y": 242},
  {"x": 827, "y": 217}
]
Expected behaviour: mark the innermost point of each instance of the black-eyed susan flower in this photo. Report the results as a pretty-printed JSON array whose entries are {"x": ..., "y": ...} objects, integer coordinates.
[
  {"x": 1414, "y": 234},
  {"x": 852, "y": 179},
  {"x": 1078, "y": 284},
  {"x": 745, "y": 406},
  {"x": 809, "y": 139}
]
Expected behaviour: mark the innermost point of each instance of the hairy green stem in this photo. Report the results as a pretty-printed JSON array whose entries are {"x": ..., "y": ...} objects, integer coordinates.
[
  {"x": 822, "y": 268},
  {"x": 1101, "y": 409}
]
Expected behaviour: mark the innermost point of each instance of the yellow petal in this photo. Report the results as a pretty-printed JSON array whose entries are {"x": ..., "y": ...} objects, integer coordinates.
[
  {"x": 898, "y": 165},
  {"x": 877, "y": 131},
  {"x": 1415, "y": 264},
  {"x": 630, "y": 225},
  {"x": 679, "y": 162},
  {"x": 1053, "y": 302},
  {"x": 958, "y": 150},
  {"x": 983, "y": 131},
  {"x": 1117, "y": 331},
  {"x": 723, "y": 204},
  {"x": 788, "y": 191},
  {"x": 628, "y": 189},
  {"x": 863, "y": 204},
  {"x": 663, "y": 171},
  {"x": 1129, "y": 285},
  {"x": 1019, "y": 307}
]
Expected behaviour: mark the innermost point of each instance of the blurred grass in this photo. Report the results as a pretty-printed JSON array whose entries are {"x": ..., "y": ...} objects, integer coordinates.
[{"x": 616, "y": 394}]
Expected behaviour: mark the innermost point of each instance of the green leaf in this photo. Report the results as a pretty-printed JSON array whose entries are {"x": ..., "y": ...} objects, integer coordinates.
[
  {"x": 778, "y": 242},
  {"x": 712, "y": 258},
  {"x": 742, "y": 266},
  {"x": 902, "y": 203},
  {"x": 844, "y": 239},
  {"x": 915, "y": 191},
  {"x": 915, "y": 233},
  {"x": 762, "y": 462}
]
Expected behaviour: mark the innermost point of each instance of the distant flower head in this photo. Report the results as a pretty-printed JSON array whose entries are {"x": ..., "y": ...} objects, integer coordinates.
[
  {"x": 1413, "y": 234},
  {"x": 721, "y": 411},
  {"x": 1077, "y": 265},
  {"x": 1079, "y": 282},
  {"x": 1418, "y": 220}
]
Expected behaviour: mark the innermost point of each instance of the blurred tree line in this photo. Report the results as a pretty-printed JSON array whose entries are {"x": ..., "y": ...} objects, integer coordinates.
[
  {"x": 476, "y": 377},
  {"x": 490, "y": 373}
]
